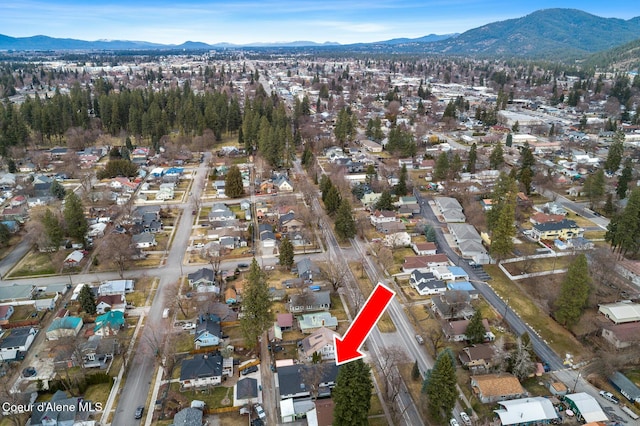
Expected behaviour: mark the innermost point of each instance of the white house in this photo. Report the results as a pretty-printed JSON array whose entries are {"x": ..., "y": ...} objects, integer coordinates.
[
  {"x": 383, "y": 216},
  {"x": 116, "y": 287},
  {"x": 202, "y": 370},
  {"x": 17, "y": 343},
  {"x": 321, "y": 342},
  {"x": 144, "y": 240},
  {"x": 621, "y": 312}
]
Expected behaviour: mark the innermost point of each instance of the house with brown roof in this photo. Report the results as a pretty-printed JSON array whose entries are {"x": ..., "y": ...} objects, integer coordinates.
[
  {"x": 112, "y": 302},
  {"x": 424, "y": 249},
  {"x": 320, "y": 342},
  {"x": 478, "y": 358},
  {"x": 496, "y": 387},
  {"x": 382, "y": 216},
  {"x": 540, "y": 218},
  {"x": 284, "y": 321},
  {"x": 424, "y": 262},
  {"x": 622, "y": 335}
]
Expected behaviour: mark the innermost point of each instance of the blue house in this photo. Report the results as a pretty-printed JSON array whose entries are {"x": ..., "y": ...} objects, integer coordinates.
[
  {"x": 208, "y": 331},
  {"x": 109, "y": 323}
]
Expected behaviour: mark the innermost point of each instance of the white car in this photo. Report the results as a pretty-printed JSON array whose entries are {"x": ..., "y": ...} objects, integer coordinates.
[
  {"x": 259, "y": 411},
  {"x": 188, "y": 326},
  {"x": 465, "y": 418},
  {"x": 453, "y": 422}
]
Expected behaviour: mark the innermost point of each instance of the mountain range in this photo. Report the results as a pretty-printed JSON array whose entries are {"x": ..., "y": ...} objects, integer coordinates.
[{"x": 544, "y": 34}]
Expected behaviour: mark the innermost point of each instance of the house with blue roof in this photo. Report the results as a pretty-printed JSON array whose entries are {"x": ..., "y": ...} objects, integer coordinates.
[
  {"x": 465, "y": 286},
  {"x": 109, "y": 324},
  {"x": 208, "y": 331},
  {"x": 64, "y": 327}
]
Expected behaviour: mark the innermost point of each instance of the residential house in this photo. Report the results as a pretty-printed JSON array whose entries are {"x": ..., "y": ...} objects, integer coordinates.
[
  {"x": 97, "y": 351},
  {"x": 419, "y": 277},
  {"x": 284, "y": 321},
  {"x": 307, "y": 269},
  {"x": 202, "y": 277},
  {"x": 16, "y": 344},
  {"x": 371, "y": 146},
  {"x": 61, "y": 410},
  {"x": 478, "y": 358},
  {"x": 188, "y": 417},
  {"x": 564, "y": 230},
  {"x": 111, "y": 302},
  {"x": 116, "y": 287},
  {"x": 5, "y": 313},
  {"x": 64, "y": 327},
  {"x": 452, "y": 305},
  {"x": 450, "y": 209},
  {"x": 540, "y": 218},
  {"x": 469, "y": 242},
  {"x": 492, "y": 388},
  {"x": 391, "y": 227},
  {"x": 283, "y": 184},
  {"x": 370, "y": 198},
  {"x": 527, "y": 411},
  {"x": 73, "y": 259},
  {"x": 424, "y": 249},
  {"x": 455, "y": 330},
  {"x": 464, "y": 286},
  {"x": 208, "y": 331},
  {"x": 109, "y": 323},
  {"x": 97, "y": 230},
  {"x": 310, "y": 301},
  {"x": 621, "y": 312},
  {"x": 288, "y": 223},
  {"x": 622, "y": 335},
  {"x": 382, "y": 216},
  {"x": 144, "y": 240},
  {"x": 449, "y": 273},
  {"x": 312, "y": 322},
  {"x": 293, "y": 380},
  {"x": 321, "y": 342},
  {"x": 220, "y": 212},
  {"x": 202, "y": 370},
  {"x": 424, "y": 262}
]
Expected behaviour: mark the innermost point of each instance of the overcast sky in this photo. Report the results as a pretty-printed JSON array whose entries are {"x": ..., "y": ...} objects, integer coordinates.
[{"x": 249, "y": 21}]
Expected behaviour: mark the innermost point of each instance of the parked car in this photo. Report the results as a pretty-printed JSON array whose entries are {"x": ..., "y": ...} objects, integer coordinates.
[
  {"x": 609, "y": 397},
  {"x": 188, "y": 326},
  {"x": 243, "y": 265},
  {"x": 249, "y": 370},
  {"x": 453, "y": 422},
  {"x": 419, "y": 339},
  {"x": 465, "y": 418},
  {"x": 139, "y": 412},
  {"x": 259, "y": 411}
]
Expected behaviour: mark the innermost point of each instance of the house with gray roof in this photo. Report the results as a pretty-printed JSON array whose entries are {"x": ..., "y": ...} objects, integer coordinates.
[
  {"x": 201, "y": 370},
  {"x": 16, "y": 344},
  {"x": 188, "y": 417},
  {"x": 220, "y": 212},
  {"x": 293, "y": 380},
  {"x": 307, "y": 269},
  {"x": 309, "y": 301},
  {"x": 626, "y": 387},
  {"x": 61, "y": 410},
  {"x": 203, "y": 276},
  {"x": 208, "y": 331},
  {"x": 450, "y": 209}
]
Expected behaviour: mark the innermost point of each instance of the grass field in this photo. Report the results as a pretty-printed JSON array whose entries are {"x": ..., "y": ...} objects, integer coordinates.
[
  {"x": 35, "y": 263},
  {"x": 539, "y": 265},
  {"x": 556, "y": 336}
]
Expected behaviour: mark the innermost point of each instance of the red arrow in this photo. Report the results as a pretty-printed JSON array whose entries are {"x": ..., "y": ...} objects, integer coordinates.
[{"x": 360, "y": 328}]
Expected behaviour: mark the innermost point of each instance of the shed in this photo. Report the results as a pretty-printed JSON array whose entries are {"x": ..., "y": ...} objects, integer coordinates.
[
  {"x": 585, "y": 405},
  {"x": 625, "y": 386}
]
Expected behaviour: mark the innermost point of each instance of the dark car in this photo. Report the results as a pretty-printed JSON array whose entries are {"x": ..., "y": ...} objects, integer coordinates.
[
  {"x": 139, "y": 412},
  {"x": 243, "y": 265},
  {"x": 29, "y": 372},
  {"x": 250, "y": 370}
]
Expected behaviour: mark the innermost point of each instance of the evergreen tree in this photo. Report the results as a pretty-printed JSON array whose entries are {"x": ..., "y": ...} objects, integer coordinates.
[
  {"x": 616, "y": 150},
  {"x": 441, "y": 171},
  {"x": 5, "y": 235},
  {"x": 475, "y": 329},
  {"x": 57, "y": 190},
  {"x": 440, "y": 387},
  {"x": 473, "y": 157},
  {"x": 574, "y": 292},
  {"x": 53, "y": 229},
  {"x": 324, "y": 185},
  {"x": 74, "y": 218},
  {"x": 625, "y": 177},
  {"x": 384, "y": 202},
  {"x": 233, "y": 183},
  {"x": 509, "y": 141},
  {"x": 401, "y": 187},
  {"x": 332, "y": 201},
  {"x": 501, "y": 217},
  {"x": 455, "y": 167},
  {"x": 609, "y": 208},
  {"x": 415, "y": 371},
  {"x": 286, "y": 253},
  {"x": 496, "y": 158},
  {"x": 87, "y": 300},
  {"x": 345, "y": 224},
  {"x": 370, "y": 174},
  {"x": 623, "y": 230},
  {"x": 352, "y": 394},
  {"x": 594, "y": 187},
  {"x": 11, "y": 166},
  {"x": 430, "y": 233},
  {"x": 256, "y": 306}
]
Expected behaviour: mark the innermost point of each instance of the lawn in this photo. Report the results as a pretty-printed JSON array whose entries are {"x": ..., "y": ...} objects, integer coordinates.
[
  {"x": 535, "y": 386},
  {"x": 580, "y": 221},
  {"x": 142, "y": 288},
  {"x": 337, "y": 308},
  {"x": 98, "y": 393},
  {"x": 560, "y": 340},
  {"x": 539, "y": 265},
  {"x": 35, "y": 263},
  {"x": 150, "y": 261},
  {"x": 21, "y": 312},
  {"x": 213, "y": 397},
  {"x": 183, "y": 342},
  {"x": 376, "y": 406}
]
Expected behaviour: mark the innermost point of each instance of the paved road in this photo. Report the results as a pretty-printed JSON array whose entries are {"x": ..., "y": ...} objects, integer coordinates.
[
  {"x": 140, "y": 371},
  {"x": 579, "y": 208}
]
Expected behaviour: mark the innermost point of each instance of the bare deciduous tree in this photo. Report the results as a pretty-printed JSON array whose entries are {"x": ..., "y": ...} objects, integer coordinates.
[
  {"x": 335, "y": 272},
  {"x": 118, "y": 250}
]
